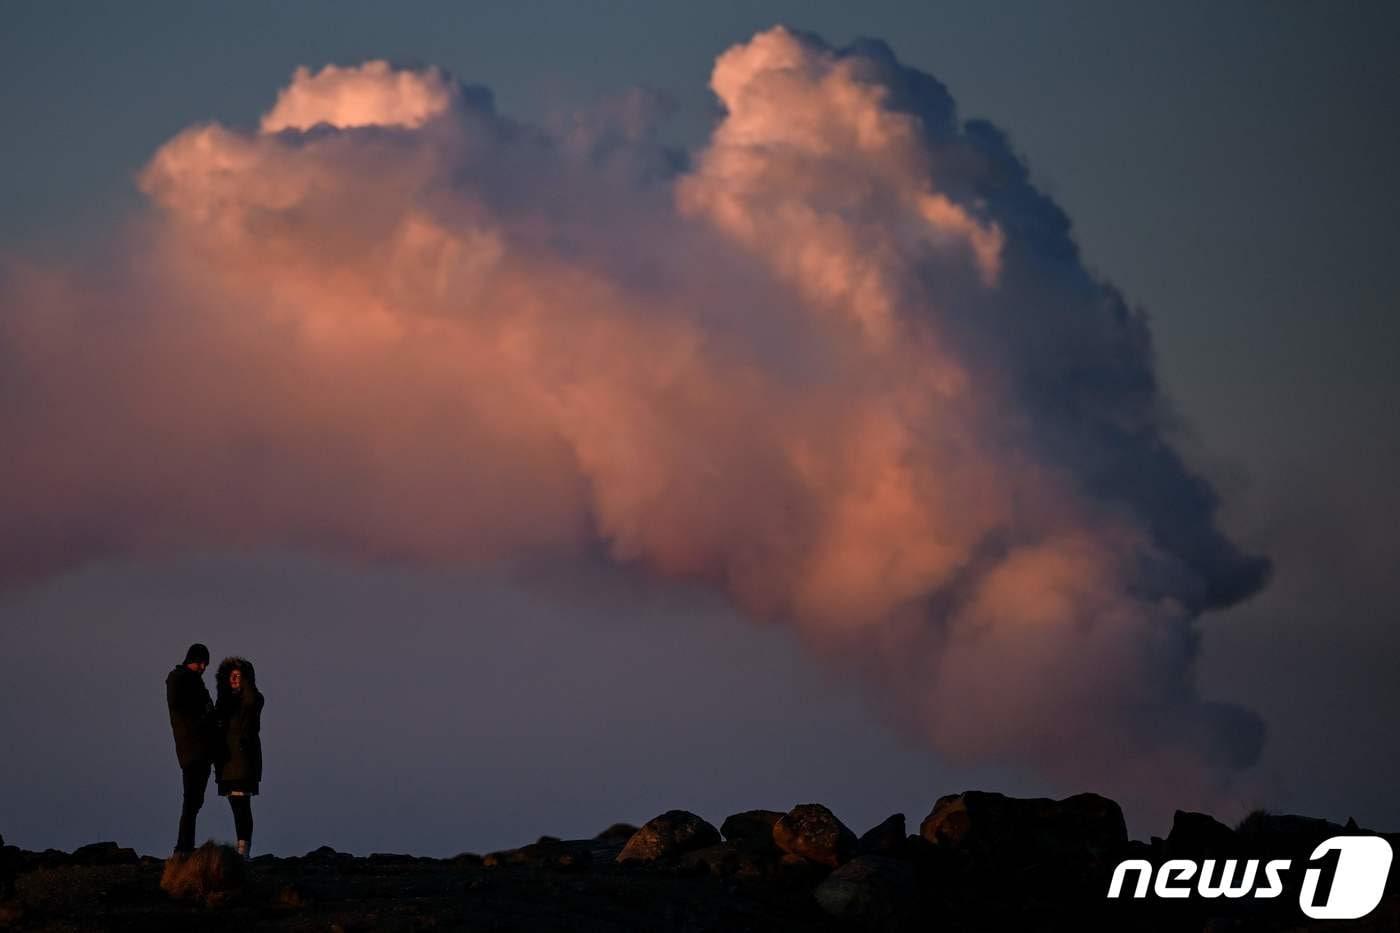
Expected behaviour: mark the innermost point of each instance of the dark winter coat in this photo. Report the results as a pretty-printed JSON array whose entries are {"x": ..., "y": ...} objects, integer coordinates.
[
  {"x": 238, "y": 761},
  {"x": 191, "y": 715}
]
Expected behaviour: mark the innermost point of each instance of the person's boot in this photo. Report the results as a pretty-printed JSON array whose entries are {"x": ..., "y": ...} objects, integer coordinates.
[{"x": 242, "y": 848}]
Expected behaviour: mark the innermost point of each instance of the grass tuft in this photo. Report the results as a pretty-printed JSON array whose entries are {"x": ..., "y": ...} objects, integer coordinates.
[{"x": 210, "y": 874}]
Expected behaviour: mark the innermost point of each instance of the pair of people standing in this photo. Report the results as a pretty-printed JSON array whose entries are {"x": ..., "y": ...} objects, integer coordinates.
[{"x": 219, "y": 734}]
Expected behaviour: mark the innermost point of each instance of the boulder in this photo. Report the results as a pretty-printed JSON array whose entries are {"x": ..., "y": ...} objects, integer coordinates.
[
  {"x": 729, "y": 860},
  {"x": 918, "y": 849},
  {"x": 1197, "y": 836},
  {"x": 616, "y": 834},
  {"x": 752, "y": 829},
  {"x": 1280, "y": 835},
  {"x": 1083, "y": 828},
  {"x": 869, "y": 890},
  {"x": 1262, "y": 822},
  {"x": 49, "y": 858},
  {"x": 813, "y": 832},
  {"x": 325, "y": 855},
  {"x": 546, "y": 852},
  {"x": 798, "y": 872},
  {"x": 103, "y": 853},
  {"x": 668, "y": 836},
  {"x": 608, "y": 845},
  {"x": 9, "y": 868},
  {"x": 884, "y": 839}
]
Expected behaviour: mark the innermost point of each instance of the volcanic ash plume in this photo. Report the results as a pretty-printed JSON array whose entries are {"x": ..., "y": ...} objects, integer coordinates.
[{"x": 843, "y": 363}]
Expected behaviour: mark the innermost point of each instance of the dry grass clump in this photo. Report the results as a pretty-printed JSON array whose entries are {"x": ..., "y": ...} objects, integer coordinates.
[{"x": 211, "y": 874}]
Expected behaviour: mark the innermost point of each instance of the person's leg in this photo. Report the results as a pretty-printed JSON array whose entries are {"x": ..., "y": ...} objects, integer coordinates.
[
  {"x": 195, "y": 778},
  {"x": 242, "y": 807}
]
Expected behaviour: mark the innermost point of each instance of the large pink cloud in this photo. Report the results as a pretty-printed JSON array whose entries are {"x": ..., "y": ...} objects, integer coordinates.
[{"x": 847, "y": 367}]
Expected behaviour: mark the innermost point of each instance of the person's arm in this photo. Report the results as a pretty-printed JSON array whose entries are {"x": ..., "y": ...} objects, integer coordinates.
[{"x": 180, "y": 698}]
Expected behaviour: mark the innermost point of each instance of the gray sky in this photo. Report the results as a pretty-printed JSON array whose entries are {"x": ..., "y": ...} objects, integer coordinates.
[{"x": 1228, "y": 166}]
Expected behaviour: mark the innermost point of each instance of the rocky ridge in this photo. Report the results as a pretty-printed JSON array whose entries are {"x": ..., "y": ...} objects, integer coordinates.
[{"x": 980, "y": 861}]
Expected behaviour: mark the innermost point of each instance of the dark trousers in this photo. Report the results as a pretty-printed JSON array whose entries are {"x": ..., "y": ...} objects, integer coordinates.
[
  {"x": 242, "y": 817},
  {"x": 196, "y": 779}
]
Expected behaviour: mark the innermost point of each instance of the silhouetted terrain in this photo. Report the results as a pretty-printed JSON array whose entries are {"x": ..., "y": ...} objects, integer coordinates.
[{"x": 978, "y": 861}]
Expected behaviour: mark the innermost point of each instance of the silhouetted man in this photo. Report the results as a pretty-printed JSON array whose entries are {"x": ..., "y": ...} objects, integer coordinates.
[{"x": 191, "y": 718}]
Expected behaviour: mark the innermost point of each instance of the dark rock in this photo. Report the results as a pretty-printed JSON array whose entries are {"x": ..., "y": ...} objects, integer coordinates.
[
  {"x": 546, "y": 852},
  {"x": 885, "y": 839},
  {"x": 602, "y": 852},
  {"x": 103, "y": 853},
  {"x": 667, "y": 836},
  {"x": 731, "y": 860},
  {"x": 9, "y": 868},
  {"x": 390, "y": 858},
  {"x": 798, "y": 871},
  {"x": 1281, "y": 835},
  {"x": 324, "y": 854},
  {"x": 616, "y": 834},
  {"x": 1085, "y": 828},
  {"x": 752, "y": 829},
  {"x": 1196, "y": 836},
  {"x": 921, "y": 851},
  {"x": 469, "y": 859},
  {"x": 49, "y": 858},
  {"x": 868, "y": 890},
  {"x": 1264, "y": 823},
  {"x": 813, "y": 832},
  {"x": 1142, "y": 850}
]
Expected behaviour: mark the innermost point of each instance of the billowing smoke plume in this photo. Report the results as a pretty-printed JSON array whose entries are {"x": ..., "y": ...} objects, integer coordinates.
[{"x": 843, "y": 363}]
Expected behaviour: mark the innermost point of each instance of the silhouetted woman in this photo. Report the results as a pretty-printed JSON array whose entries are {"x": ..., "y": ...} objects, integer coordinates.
[{"x": 238, "y": 765}]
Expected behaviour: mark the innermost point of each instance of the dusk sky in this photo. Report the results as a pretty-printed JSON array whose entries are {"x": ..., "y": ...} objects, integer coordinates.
[{"x": 579, "y": 411}]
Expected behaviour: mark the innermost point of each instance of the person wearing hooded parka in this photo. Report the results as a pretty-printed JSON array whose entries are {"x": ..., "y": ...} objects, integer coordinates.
[{"x": 238, "y": 759}]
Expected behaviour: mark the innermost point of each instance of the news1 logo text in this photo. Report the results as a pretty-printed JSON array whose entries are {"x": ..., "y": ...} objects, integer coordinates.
[{"x": 1343, "y": 879}]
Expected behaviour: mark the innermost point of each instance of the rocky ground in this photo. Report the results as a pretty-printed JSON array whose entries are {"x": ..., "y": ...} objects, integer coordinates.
[{"x": 977, "y": 862}]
